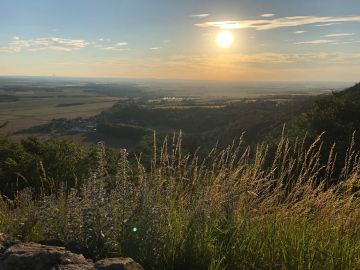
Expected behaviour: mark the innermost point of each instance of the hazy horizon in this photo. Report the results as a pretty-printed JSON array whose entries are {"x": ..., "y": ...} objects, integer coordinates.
[{"x": 115, "y": 79}]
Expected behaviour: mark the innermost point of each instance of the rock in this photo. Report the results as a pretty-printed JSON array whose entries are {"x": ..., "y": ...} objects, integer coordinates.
[
  {"x": 77, "y": 248},
  {"x": 52, "y": 242},
  {"x": 15, "y": 255},
  {"x": 72, "y": 246},
  {"x": 31, "y": 256},
  {"x": 118, "y": 264},
  {"x": 6, "y": 242}
]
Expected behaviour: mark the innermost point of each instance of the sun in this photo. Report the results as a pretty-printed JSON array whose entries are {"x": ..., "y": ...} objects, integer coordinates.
[{"x": 224, "y": 39}]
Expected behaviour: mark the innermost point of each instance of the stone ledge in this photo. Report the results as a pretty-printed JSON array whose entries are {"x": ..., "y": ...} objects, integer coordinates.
[{"x": 15, "y": 255}]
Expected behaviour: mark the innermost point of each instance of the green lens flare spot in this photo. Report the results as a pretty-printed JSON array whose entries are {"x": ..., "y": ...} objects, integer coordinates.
[{"x": 134, "y": 229}]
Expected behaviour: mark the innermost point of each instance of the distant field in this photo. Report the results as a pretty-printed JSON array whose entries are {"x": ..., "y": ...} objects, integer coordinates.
[
  {"x": 27, "y": 113},
  {"x": 32, "y": 111},
  {"x": 40, "y": 113},
  {"x": 28, "y": 102}
]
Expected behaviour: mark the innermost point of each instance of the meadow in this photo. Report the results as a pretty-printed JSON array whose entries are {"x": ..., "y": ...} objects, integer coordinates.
[{"x": 238, "y": 208}]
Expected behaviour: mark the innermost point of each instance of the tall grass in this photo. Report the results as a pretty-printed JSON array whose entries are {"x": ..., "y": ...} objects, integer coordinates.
[{"x": 236, "y": 209}]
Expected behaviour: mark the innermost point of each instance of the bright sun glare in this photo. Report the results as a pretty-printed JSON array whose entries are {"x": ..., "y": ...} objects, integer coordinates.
[{"x": 224, "y": 39}]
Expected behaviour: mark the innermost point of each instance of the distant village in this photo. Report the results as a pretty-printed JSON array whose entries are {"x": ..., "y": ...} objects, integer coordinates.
[{"x": 62, "y": 126}]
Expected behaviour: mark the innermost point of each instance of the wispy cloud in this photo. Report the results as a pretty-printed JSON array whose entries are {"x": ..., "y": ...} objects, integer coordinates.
[
  {"x": 10, "y": 49},
  {"x": 50, "y": 43},
  {"x": 266, "y": 24},
  {"x": 155, "y": 48},
  {"x": 59, "y": 44},
  {"x": 112, "y": 48},
  {"x": 326, "y": 24},
  {"x": 340, "y": 35},
  {"x": 299, "y": 32},
  {"x": 232, "y": 62},
  {"x": 117, "y": 47},
  {"x": 121, "y": 44},
  {"x": 267, "y": 15},
  {"x": 347, "y": 42},
  {"x": 17, "y": 42},
  {"x": 204, "y": 15},
  {"x": 322, "y": 41}
]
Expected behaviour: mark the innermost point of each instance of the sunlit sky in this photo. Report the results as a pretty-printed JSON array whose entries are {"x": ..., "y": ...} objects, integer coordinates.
[{"x": 273, "y": 40}]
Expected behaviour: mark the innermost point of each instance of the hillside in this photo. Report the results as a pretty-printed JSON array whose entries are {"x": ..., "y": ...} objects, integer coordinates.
[{"x": 337, "y": 115}]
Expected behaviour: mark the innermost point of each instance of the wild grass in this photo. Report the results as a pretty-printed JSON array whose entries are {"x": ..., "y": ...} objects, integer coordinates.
[{"x": 236, "y": 209}]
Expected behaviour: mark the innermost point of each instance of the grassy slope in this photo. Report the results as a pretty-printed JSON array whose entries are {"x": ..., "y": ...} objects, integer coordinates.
[{"x": 229, "y": 211}]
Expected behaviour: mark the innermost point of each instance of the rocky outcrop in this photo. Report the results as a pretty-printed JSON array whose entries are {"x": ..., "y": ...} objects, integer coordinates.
[
  {"x": 24, "y": 256},
  {"x": 117, "y": 264},
  {"x": 15, "y": 255}
]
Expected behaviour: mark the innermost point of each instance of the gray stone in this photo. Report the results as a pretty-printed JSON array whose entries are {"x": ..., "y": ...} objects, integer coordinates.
[
  {"x": 15, "y": 255},
  {"x": 31, "y": 256},
  {"x": 118, "y": 264}
]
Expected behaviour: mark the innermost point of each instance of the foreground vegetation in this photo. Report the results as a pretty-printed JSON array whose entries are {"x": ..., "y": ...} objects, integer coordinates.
[
  {"x": 290, "y": 203},
  {"x": 239, "y": 208}
]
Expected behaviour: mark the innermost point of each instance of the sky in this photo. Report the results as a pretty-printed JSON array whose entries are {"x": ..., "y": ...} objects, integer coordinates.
[{"x": 273, "y": 40}]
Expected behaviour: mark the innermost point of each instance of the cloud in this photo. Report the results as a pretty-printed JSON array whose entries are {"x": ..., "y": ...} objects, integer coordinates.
[
  {"x": 326, "y": 24},
  {"x": 10, "y": 49},
  {"x": 20, "y": 43},
  {"x": 155, "y": 48},
  {"x": 266, "y": 24},
  {"x": 238, "y": 59},
  {"x": 121, "y": 44},
  {"x": 316, "y": 42},
  {"x": 347, "y": 42},
  {"x": 51, "y": 43},
  {"x": 340, "y": 35},
  {"x": 268, "y": 15},
  {"x": 112, "y": 48},
  {"x": 101, "y": 39},
  {"x": 299, "y": 32},
  {"x": 117, "y": 47},
  {"x": 200, "y": 15},
  {"x": 60, "y": 44}
]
